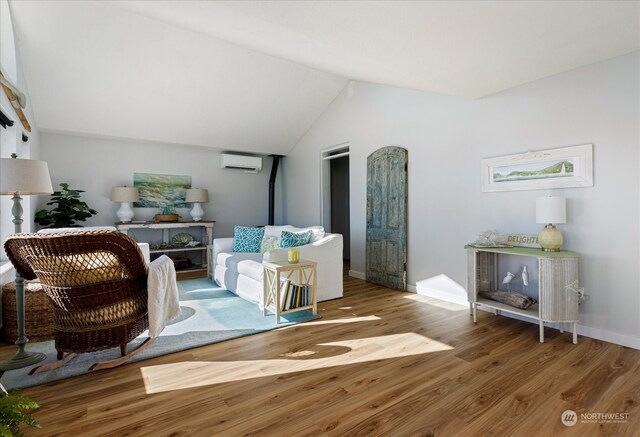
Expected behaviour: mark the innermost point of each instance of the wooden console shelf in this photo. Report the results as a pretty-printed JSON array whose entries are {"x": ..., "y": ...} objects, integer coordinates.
[
  {"x": 201, "y": 271},
  {"x": 557, "y": 282}
]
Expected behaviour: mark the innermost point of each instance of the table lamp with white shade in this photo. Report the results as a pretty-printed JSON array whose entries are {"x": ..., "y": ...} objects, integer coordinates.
[
  {"x": 550, "y": 210},
  {"x": 197, "y": 196},
  {"x": 22, "y": 177},
  {"x": 125, "y": 195}
]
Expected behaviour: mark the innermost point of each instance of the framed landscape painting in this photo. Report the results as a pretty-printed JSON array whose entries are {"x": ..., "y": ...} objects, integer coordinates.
[
  {"x": 160, "y": 190},
  {"x": 565, "y": 167}
]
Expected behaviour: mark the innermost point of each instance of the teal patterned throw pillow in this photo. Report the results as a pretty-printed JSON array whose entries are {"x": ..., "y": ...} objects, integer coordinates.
[
  {"x": 293, "y": 239},
  {"x": 247, "y": 239}
]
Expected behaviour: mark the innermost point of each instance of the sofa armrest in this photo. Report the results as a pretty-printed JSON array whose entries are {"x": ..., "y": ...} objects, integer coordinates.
[
  {"x": 221, "y": 245},
  {"x": 146, "y": 253}
]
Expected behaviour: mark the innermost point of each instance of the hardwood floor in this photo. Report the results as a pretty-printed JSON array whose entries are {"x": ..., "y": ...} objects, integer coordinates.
[{"x": 379, "y": 362}]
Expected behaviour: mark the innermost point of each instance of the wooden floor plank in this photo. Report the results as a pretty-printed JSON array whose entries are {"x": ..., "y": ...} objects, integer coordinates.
[{"x": 379, "y": 362}]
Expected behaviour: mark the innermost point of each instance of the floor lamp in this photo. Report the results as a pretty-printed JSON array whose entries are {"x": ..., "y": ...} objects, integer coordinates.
[{"x": 22, "y": 177}]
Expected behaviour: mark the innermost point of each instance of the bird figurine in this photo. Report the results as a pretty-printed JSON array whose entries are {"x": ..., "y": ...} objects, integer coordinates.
[
  {"x": 525, "y": 276},
  {"x": 507, "y": 279}
]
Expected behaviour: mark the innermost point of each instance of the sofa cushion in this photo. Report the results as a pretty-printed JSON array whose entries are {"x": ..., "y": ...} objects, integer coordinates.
[
  {"x": 251, "y": 267},
  {"x": 245, "y": 263},
  {"x": 295, "y": 239},
  {"x": 247, "y": 239}
]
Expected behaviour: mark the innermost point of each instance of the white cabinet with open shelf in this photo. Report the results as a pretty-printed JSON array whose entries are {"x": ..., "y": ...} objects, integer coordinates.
[
  {"x": 197, "y": 271},
  {"x": 557, "y": 284}
]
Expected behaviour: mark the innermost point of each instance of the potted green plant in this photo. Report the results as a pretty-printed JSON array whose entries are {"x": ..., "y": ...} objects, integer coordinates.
[
  {"x": 69, "y": 209},
  {"x": 12, "y": 413}
]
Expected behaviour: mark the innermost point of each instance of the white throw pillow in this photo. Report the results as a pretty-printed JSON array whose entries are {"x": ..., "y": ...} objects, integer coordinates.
[
  {"x": 275, "y": 231},
  {"x": 269, "y": 242}
]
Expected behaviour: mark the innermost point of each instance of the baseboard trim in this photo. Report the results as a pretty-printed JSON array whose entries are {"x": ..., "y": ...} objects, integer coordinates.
[
  {"x": 358, "y": 275},
  {"x": 584, "y": 331}
]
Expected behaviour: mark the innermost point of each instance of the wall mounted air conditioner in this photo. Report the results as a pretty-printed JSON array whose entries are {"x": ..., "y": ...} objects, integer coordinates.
[{"x": 250, "y": 164}]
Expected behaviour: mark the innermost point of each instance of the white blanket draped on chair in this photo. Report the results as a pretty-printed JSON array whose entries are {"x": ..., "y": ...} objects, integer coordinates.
[{"x": 162, "y": 289}]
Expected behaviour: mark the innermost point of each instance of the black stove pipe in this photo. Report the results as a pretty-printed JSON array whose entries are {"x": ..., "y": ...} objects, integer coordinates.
[{"x": 272, "y": 187}]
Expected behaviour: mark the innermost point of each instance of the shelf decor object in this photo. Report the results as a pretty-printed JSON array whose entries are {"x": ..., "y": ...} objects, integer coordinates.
[
  {"x": 196, "y": 196},
  {"x": 550, "y": 210},
  {"x": 564, "y": 167},
  {"x": 20, "y": 177},
  {"x": 125, "y": 195},
  {"x": 293, "y": 256}
]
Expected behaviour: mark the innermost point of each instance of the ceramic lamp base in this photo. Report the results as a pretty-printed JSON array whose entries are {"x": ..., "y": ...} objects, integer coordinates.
[
  {"x": 197, "y": 212},
  {"x": 550, "y": 239},
  {"x": 125, "y": 213}
]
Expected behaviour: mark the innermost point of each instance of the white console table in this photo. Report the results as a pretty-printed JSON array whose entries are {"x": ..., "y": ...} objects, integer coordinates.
[
  {"x": 166, "y": 227},
  {"x": 557, "y": 279}
]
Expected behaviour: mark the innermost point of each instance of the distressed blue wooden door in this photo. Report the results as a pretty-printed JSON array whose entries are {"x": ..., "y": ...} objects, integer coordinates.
[{"x": 386, "y": 257}]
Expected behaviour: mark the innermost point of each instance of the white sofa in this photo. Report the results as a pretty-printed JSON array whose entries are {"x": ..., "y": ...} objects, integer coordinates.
[{"x": 241, "y": 272}]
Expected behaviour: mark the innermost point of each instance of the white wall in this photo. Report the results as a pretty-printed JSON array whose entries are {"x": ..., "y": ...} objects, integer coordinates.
[
  {"x": 447, "y": 137},
  {"x": 96, "y": 165},
  {"x": 11, "y": 138}
]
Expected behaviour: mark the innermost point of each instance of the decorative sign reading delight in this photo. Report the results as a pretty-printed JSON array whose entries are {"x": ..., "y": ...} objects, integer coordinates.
[{"x": 523, "y": 240}]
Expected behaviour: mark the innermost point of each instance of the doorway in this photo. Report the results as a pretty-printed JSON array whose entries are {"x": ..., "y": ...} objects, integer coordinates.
[{"x": 334, "y": 208}]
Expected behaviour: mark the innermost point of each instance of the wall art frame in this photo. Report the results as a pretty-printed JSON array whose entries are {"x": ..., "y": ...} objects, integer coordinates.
[
  {"x": 564, "y": 167},
  {"x": 160, "y": 190}
]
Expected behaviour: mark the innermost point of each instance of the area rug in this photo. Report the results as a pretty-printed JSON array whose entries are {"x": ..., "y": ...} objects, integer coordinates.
[{"x": 210, "y": 314}]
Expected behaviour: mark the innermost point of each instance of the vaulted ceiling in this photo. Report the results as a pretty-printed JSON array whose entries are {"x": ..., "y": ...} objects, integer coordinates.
[{"x": 254, "y": 76}]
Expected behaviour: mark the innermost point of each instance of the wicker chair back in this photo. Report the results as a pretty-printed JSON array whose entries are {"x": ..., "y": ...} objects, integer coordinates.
[{"x": 96, "y": 280}]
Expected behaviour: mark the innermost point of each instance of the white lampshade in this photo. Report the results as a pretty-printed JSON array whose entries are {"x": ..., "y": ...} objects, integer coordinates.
[
  {"x": 551, "y": 210},
  {"x": 24, "y": 177},
  {"x": 125, "y": 194},
  {"x": 199, "y": 195}
]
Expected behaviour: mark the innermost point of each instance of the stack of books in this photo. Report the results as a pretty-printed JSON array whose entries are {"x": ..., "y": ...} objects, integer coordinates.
[{"x": 294, "y": 295}]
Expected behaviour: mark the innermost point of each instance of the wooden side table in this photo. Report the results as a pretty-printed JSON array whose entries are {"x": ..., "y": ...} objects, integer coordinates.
[{"x": 276, "y": 279}]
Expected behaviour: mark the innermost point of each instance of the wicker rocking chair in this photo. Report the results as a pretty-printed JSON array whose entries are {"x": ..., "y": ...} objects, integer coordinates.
[{"x": 97, "y": 282}]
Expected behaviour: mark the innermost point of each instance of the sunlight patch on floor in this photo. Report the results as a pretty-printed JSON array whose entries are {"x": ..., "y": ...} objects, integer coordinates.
[
  {"x": 342, "y": 320},
  {"x": 449, "y": 306},
  {"x": 190, "y": 374}
]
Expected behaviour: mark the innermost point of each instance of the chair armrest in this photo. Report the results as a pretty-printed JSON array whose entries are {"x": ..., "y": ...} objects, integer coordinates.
[{"x": 221, "y": 245}]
